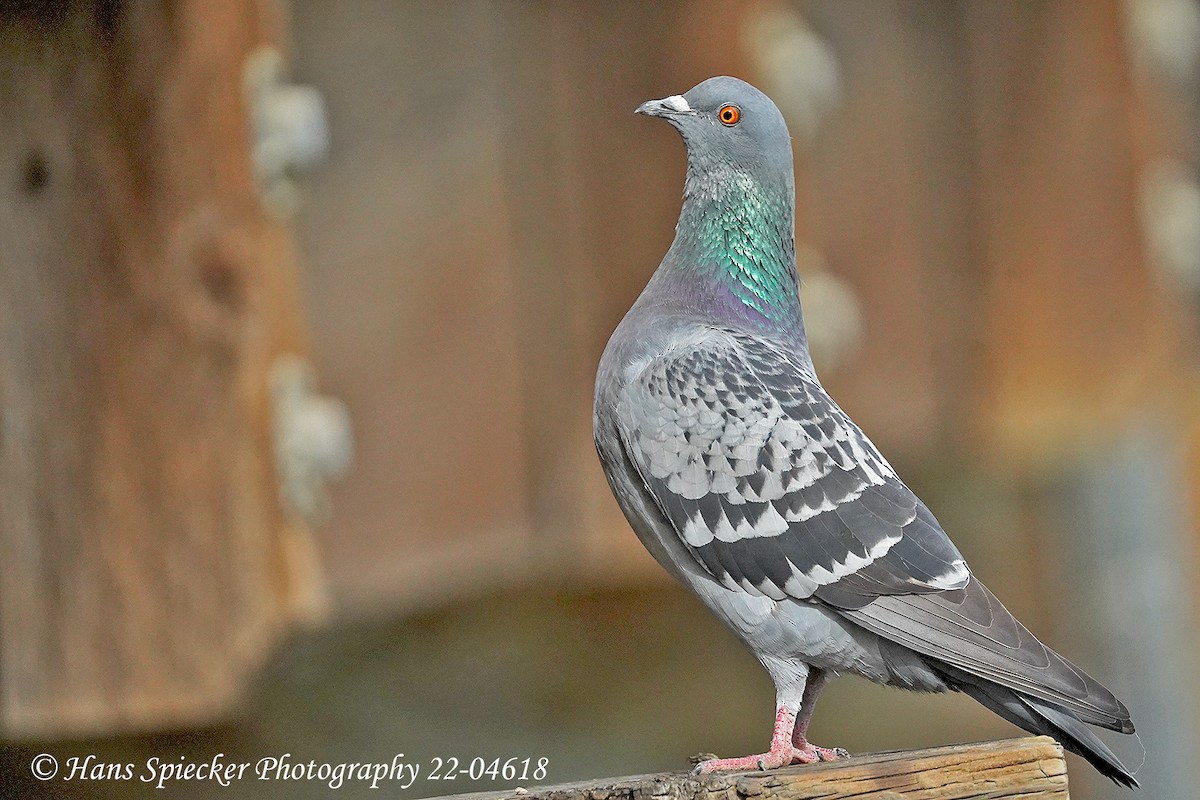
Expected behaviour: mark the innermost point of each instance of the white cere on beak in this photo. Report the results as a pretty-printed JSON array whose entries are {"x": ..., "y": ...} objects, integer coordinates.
[{"x": 676, "y": 103}]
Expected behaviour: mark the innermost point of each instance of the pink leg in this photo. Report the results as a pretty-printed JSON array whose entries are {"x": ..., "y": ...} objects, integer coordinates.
[
  {"x": 802, "y": 751},
  {"x": 780, "y": 754}
]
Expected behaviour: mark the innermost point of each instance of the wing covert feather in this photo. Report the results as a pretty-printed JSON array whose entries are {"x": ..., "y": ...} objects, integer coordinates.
[{"x": 771, "y": 487}]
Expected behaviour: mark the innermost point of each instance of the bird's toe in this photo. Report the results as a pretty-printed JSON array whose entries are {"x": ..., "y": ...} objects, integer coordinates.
[
  {"x": 811, "y": 754},
  {"x": 772, "y": 759}
]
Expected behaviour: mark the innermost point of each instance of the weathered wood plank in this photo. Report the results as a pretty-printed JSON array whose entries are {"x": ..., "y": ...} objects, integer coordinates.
[
  {"x": 1025, "y": 768},
  {"x": 145, "y": 293}
]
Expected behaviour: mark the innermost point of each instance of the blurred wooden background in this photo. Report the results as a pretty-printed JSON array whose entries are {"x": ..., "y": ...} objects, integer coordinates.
[
  {"x": 145, "y": 292},
  {"x": 976, "y": 176},
  {"x": 999, "y": 216},
  {"x": 491, "y": 210}
]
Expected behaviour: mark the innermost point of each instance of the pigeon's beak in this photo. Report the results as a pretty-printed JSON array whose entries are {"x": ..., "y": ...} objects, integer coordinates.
[{"x": 666, "y": 107}]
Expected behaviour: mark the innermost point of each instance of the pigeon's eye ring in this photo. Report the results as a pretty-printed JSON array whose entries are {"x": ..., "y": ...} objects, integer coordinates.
[{"x": 729, "y": 115}]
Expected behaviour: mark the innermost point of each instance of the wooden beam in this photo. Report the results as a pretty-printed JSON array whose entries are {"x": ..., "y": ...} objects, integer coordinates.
[
  {"x": 1026, "y": 768},
  {"x": 145, "y": 293}
]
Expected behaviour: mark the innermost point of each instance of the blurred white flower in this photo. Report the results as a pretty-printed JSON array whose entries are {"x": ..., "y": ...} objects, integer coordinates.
[
  {"x": 796, "y": 67},
  {"x": 833, "y": 315},
  {"x": 1165, "y": 39},
  {"x": 1170, "y": 209}
]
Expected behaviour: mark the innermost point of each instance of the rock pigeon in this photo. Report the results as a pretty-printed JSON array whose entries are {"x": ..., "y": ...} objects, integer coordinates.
[{"x": 749, "y": 484}]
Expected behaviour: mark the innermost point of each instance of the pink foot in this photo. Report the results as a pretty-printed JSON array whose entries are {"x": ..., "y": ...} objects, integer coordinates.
[
  {"x": 785, "y": 749},
  {"x": 788, "y": 746},
  {"x": 772, "y": 759},
  {"x": 811, "y": 754}
]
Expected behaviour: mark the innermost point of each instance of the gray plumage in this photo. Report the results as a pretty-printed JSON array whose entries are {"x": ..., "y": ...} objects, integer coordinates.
[{"x": 749, "y": 484}]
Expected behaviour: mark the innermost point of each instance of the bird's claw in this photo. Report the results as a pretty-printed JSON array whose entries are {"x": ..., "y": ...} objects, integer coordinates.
[
  {"x": 772, "y": 759},
  {"x": 811, "y": 754}
]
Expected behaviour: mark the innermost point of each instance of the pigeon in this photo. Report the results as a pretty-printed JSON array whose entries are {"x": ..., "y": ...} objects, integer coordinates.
[{"x": 750, "y": 485}]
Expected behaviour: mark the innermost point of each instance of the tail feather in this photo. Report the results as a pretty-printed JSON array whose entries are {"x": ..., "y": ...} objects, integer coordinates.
[
  {"x": 1043, "y": 718},
  {"x": 1079, "y": 739},
  {"x": 969, "y": 638},
  {"x": 972, "y": 630}
]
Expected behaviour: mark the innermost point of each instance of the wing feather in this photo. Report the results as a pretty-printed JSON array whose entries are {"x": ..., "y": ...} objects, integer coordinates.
[
  {"x": 970, "y": 629},
  {"x": 768, "y": 482},
  {"x": 775, "y": 491}
]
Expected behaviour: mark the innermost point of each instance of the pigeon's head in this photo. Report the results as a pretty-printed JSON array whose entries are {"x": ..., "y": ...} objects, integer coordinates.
[{"x": 727, "y": 123}]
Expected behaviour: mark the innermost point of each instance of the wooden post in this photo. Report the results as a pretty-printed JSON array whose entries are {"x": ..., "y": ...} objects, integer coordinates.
[
  {"x": 144, "y": 294},
  {"x": 1013, "y": 768}
]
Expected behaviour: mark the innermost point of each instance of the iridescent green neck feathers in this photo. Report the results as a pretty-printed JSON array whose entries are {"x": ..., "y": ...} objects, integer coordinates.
[{"x": 738, "y": 233}]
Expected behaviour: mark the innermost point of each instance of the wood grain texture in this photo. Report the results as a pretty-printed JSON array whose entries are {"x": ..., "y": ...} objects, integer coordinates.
[
  {"x": 1078, "y": 329},
  {"x": 144, "y": 294},
  {"x": 1026, "y": 768}
]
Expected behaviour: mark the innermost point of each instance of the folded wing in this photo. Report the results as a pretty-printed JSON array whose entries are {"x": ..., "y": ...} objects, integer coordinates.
[{"x": 776, "y": 492}]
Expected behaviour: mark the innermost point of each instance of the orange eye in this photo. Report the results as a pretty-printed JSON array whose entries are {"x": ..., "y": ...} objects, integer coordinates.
[{"x": 729, "y": 114}]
